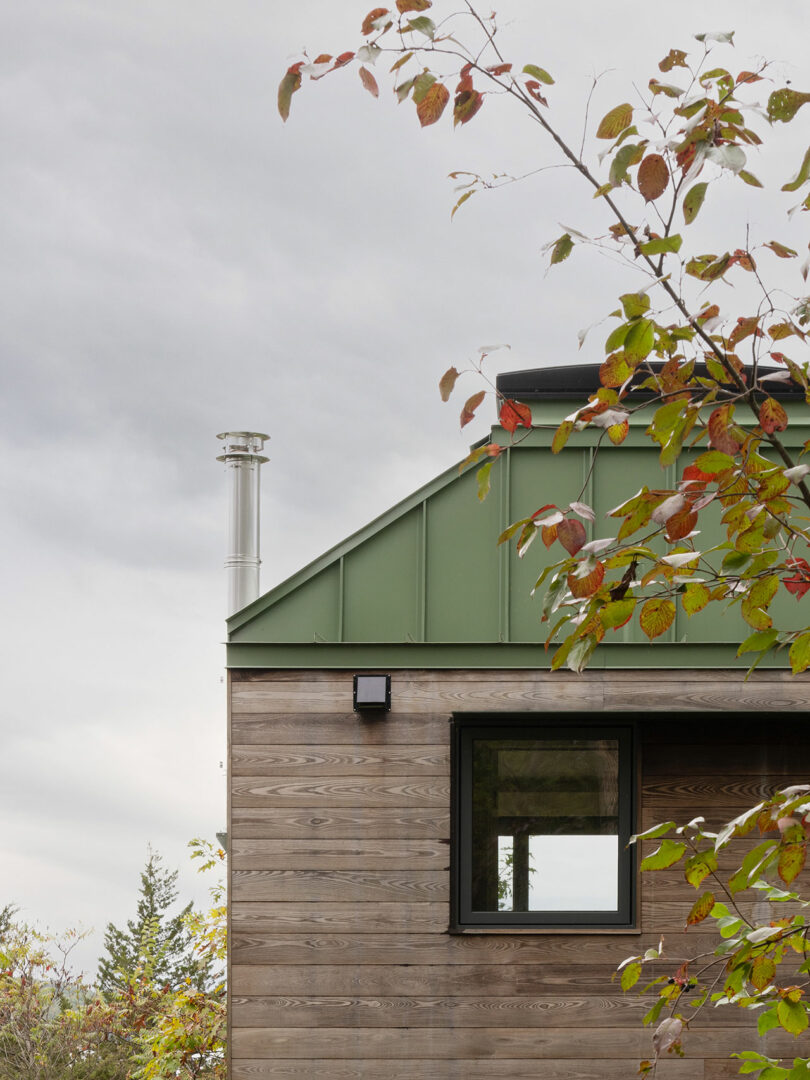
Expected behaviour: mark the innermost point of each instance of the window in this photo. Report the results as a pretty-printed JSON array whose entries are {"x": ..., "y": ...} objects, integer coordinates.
[{"x": 543, "y": 814}]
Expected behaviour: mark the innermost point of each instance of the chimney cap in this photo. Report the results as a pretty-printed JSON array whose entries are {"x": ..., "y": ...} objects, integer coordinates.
[{"x": 243, "y": 444}]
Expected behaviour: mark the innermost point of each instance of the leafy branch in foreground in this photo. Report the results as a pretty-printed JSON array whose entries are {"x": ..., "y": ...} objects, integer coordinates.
[
  {"x": 676, "y": 358},
  {"x": 757, "y": 964}
]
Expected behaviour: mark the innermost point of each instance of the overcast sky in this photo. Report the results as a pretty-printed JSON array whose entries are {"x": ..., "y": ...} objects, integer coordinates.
[{"x": 175, "y": 263}]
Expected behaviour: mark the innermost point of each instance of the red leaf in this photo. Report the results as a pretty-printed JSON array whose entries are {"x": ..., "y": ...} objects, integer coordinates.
[
  {"x": 719, "y": 434},
  {"x": 772, "y": 417},
  {"x": 681, "y": 524},
  {"x": 571, "y": 534},
  {"x": 586, "y": 586},
  {"x": 432, "y": 105},
  {"x": 368, "y": 23},
  {"x": 694, "y": 479},
  {"x": 653, "y": 177},
  {"x": 465, "y": 79},
  {"x": 533, "y": 86},
  {"x": 369, "y": 82},
  {"x": 500, "y": 69},
  {"x": 470, "y": 405},
  {"x": 799, "y": 584},
  {"x": 343, "y": 59},
  {"x": 514, "y": 414},
  {"x": 466, "y": 105}
]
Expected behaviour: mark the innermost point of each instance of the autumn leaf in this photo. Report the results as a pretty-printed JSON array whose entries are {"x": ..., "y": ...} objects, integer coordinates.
[
  {"x": 571, "y": 534},
  {"x": 466, "y": 105},
  {"x": 674, "y": 58},
  {"x": 613, "y": 123},
  {"x": 785, "y": 103},
  {"x": 368, "y": 80},
  {"x": 653, "y": 177},
  {"x": 800, "y": 654},
  {"x": 681, "y": 524},
  {"x": 561, "y": 436},
  {"x": 791, "y": 861},
  {"x": 470, "y": 405},
  {"x": 432, "y": 105},
  {"x": 588, "y": 583},
  {"x": 413, "y": 5},
  {"x": 799, "y": 583},
  {"x": 514, "y": 414},
  {"x": 371, "y": 19},
  {"x": 447, "y": 383},
  {"x": 719, "y": 434},
  {"x": 700, "y": 909},
  {"x": 287, "y": 87},
  {"x": 772, "y": 416},
  {"x": 780, "y": 249},
  {"x": 657, "y": 616}
]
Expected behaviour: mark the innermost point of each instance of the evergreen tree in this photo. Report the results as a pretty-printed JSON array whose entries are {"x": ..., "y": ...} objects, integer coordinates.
[{"x": 154, "y": 943}]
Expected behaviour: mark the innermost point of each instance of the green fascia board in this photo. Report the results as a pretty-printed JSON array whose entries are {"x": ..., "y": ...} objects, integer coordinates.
[{"x": 485, "y": 655}]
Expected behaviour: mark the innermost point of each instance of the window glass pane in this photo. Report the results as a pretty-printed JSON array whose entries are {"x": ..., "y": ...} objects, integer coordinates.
[{"x": 545, "y": 824}]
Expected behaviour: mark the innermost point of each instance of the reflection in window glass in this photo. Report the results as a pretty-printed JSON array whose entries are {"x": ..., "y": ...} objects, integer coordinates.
[{"x": 545, "y": 824}]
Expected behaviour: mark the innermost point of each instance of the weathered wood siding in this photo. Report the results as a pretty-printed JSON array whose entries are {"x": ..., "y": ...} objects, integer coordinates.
[{"x": 341, "y": 963}]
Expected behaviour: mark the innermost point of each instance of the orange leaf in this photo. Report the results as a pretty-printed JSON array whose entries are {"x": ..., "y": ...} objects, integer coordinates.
[
  {"x": 470, "y": 405},
  {"x": 617, "y": 433},
  {"x": 571, "y": 534},
  {"x": 343, "y": 59},
  {"x": 653, "y": 177},
  {"x": 413, "y": 5},
  {"x": 746, "y": 326},
  {"x": 447, "y": 382},
  {"x": 791, "y": 861},
  {"x": 500, "y": 69},
  {"x": 656, "y": 617},
  {"x": 586, "y": 586},
  {"x": 368, "y": 26},
  {"x": 432, "y": 105},
  {"x": 772, "y": 417},
  {"x": 369, "y": 82},
  {"x": 514, "y": 414},
  {"x": 548, "y": 534},
  {"x": 616, "y": 369}
]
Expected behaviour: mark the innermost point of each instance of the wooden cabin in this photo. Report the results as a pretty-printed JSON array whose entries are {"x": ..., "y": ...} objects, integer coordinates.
[{"x": 388, "y": 921}]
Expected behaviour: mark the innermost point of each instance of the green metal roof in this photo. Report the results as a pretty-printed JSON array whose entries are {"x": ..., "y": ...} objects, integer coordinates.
[{"x": 425, "y": 584}]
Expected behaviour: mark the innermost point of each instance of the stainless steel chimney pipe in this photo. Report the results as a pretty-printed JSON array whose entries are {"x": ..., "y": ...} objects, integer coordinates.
[{"x": 243, "y": 459}]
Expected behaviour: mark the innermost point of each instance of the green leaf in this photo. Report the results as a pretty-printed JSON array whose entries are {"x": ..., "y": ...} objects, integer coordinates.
[
  {"x": 695, "y": 597},
  {"x": 759, "y": 642},
  {"x": 640, "y": 340},
  {"x": 792, "y": 1016},
  {"x": 791, "y": 861},
  {"x": 421, "y": 84},
  {"x": 626, "y": 156},
  {"x": 654, "y": 1012},
  {"x": 562, "y": 249},
  {"x": 800, "y": 654},
  {"x": 801, "y": 176},
  {"x": 714, "y": 462},
  {"x": 423, "y": 25},
  {"x": 692, "y": 202},
  {"x": 662, "y": 245},
  {"x": 767, "y": 1021},
  {"x": 654, "y": 832},
  {"x": 613, "y": 123},
  {"x": 287, "y": 87},
  {"x": 749, "y": 178},
  {"x": 538, "y": 73},
  {"x": 630, "y": 976},
  {"x": 482, "y": 479},
  {"x": 784, "y": 104},
  {"x": 698, "y": 867},
  {"x": 667, "y": 855},
  {"x": 635, "y": 305}
]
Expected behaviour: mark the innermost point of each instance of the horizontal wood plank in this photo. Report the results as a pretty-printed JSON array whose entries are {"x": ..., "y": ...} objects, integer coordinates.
[
  {"x": 351, "y": 792},
  {"x": 305, "y": 886},
  {"x": 339, "y": 918},
  {"x": 339, "y": 854},
  {"x": 576, "y": 1011},
  {"x": 464, "y": 1069},
  {"x": 340, "y": 823},
  {"x": 296, "y": 727},
  {"x": 460, "y": 1043},
  {"x": 340, "y": 760}
]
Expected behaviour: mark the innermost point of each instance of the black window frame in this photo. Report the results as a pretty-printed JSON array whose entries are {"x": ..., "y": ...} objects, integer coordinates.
[{"x": 466, "y": 727}]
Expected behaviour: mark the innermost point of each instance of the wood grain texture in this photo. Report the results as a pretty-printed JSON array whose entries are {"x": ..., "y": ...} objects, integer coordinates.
[
  {"x": 340, "y": 760},
  {"x": 463, "y": 1069},
  {"x": 340, "y": 823},
  {"x": 340, "y": 854},
  {"x": 391, "y": 919},
  {"x": 394, "y": 791},
  {"x": 342, "y": 966},
  {"x": 251, "y": 946},
  {"x": 456, "y": 1043},
  {"x": 357, "y": 886},
  {"x": 574, "y": 1011}
]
